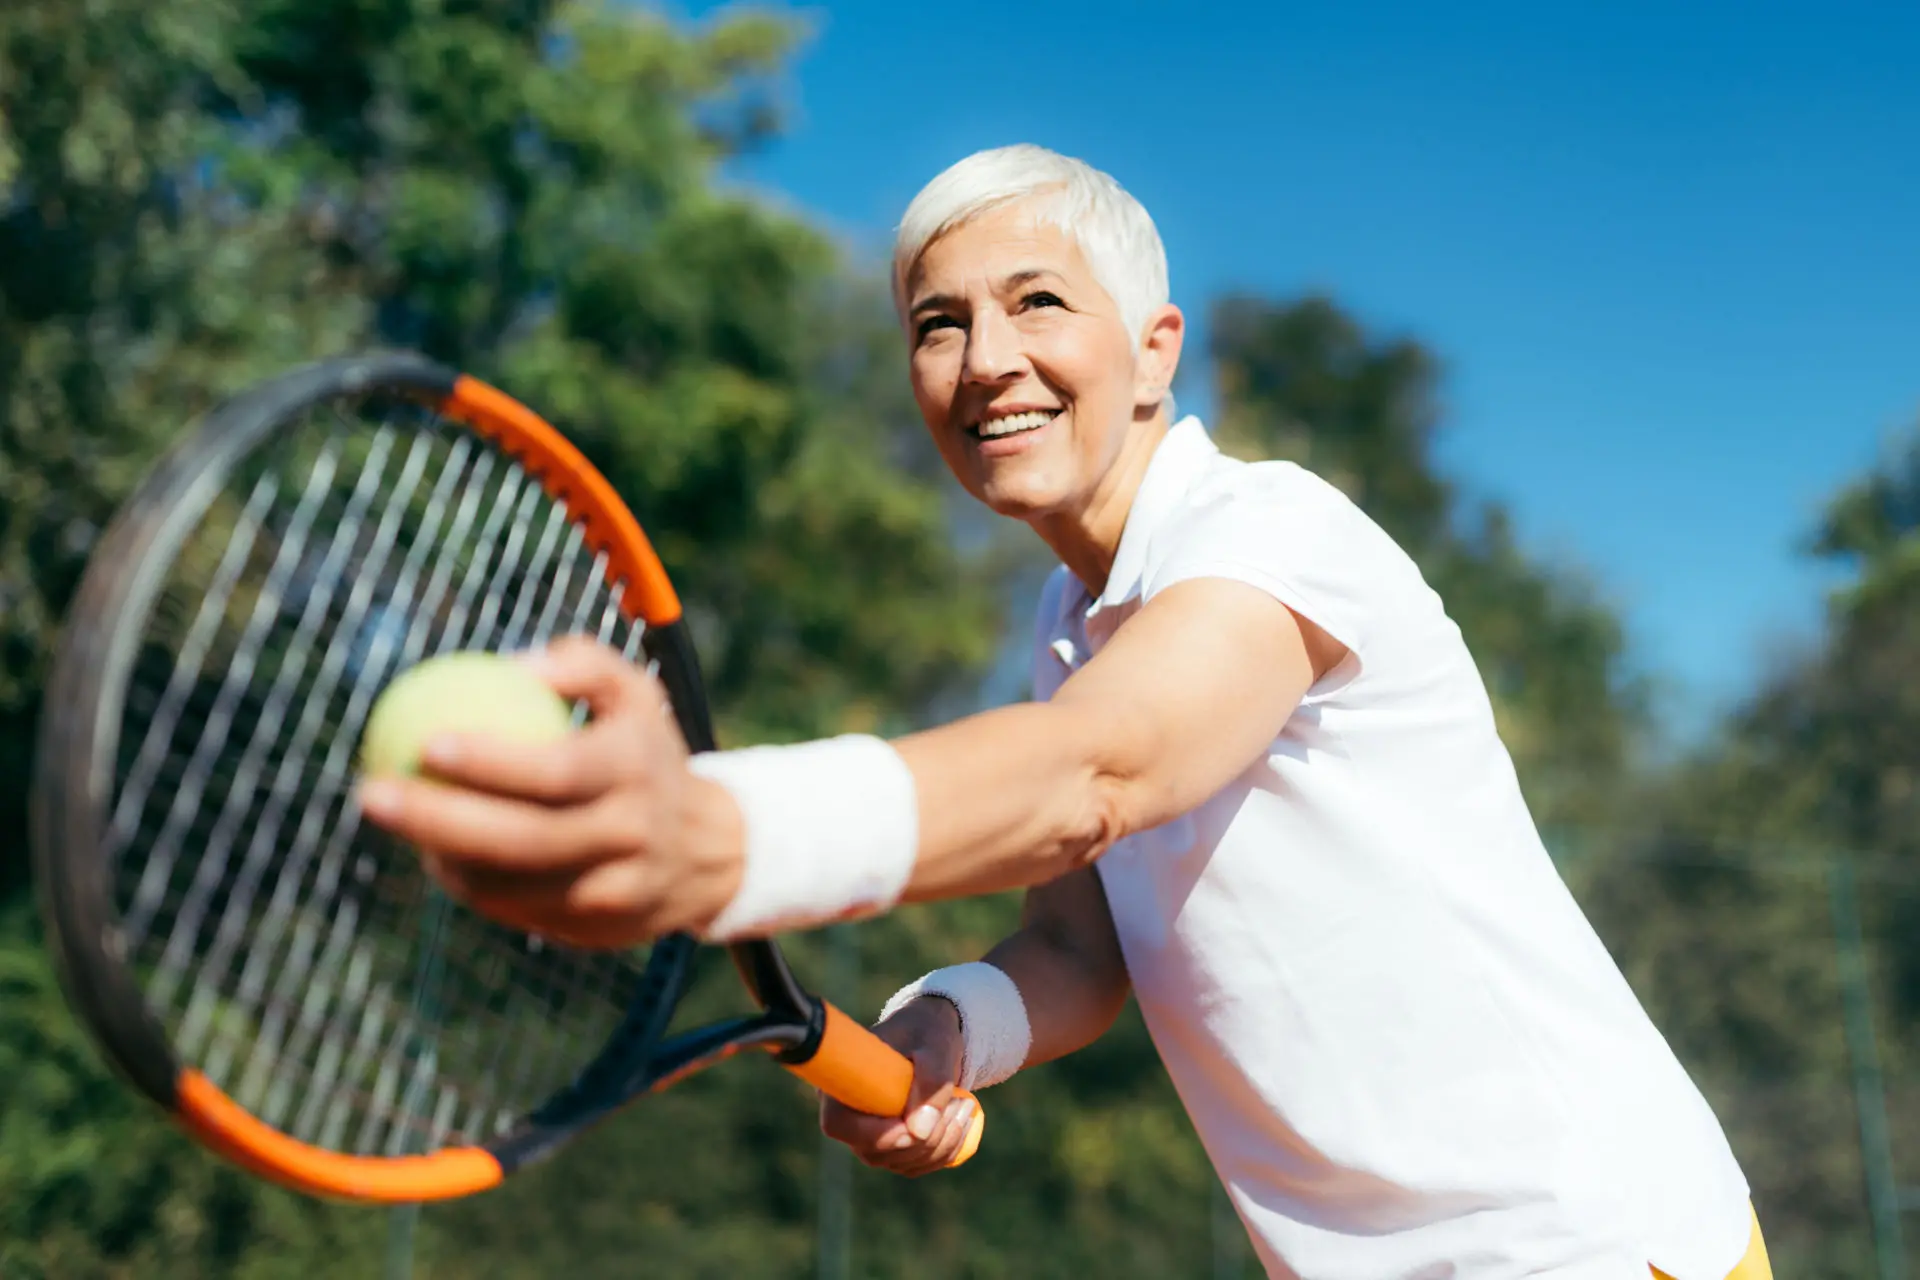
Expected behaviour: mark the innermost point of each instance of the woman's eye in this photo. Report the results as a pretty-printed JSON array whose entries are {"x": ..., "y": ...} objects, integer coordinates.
[
  {"x": 1043, "y": 299},
  {"x": 928, "y": 325}
]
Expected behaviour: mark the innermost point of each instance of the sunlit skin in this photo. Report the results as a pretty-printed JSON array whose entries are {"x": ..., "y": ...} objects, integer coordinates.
[{"x": 607, "y": 839}]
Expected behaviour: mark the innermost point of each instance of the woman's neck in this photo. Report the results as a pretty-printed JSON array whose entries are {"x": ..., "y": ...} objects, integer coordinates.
[{"x": 1088, "y": 539}]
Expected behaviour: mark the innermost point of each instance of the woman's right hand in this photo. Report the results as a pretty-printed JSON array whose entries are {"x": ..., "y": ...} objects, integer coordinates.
[{"x": 927, "y": 1136}]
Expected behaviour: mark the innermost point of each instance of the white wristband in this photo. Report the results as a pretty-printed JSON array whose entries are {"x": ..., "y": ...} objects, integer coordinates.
[
  {"x": 832, "y": 829},
  {"x": 994, "y": 1031}
]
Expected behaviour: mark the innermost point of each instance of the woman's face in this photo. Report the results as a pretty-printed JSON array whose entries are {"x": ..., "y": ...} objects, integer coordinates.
[{"x": 1022, "y": 367}]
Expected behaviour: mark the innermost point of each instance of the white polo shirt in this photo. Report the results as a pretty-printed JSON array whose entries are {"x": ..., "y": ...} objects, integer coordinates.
[{"x": 1406, "y": 1051}]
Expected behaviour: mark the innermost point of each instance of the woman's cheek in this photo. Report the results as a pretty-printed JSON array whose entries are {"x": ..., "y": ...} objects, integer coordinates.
[{"x": 934, "y": 384}]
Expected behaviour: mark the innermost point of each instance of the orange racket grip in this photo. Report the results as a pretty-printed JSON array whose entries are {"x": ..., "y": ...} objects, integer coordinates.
[{"x": 856, "y": 1067}]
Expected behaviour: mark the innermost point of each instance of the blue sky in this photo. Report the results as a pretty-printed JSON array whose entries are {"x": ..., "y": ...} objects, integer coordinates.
[{"x": 1669, "y": 254}]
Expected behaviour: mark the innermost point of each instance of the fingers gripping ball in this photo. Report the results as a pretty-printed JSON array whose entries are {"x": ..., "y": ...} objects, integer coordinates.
[{"x": 486, "y": 694}]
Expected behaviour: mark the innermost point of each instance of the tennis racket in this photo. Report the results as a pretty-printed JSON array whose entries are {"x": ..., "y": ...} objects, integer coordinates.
[{"x": 281, "y": 977}]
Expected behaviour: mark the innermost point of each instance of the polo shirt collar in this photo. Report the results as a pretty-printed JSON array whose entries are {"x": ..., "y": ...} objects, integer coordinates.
[{"x": 1181, "y": 458}]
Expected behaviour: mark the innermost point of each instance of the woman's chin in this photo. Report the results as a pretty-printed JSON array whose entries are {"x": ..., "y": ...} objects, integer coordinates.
[
  {"x": 1024, "y": 487},
  {"x": 1020, "y": 501}
]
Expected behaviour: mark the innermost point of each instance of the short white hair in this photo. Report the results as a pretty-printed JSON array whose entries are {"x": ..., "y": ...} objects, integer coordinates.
[{"x": 1113, "y": 230}]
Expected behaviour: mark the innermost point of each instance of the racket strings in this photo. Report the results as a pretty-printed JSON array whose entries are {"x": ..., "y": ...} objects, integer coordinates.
[{"x": 299, "y": 959}]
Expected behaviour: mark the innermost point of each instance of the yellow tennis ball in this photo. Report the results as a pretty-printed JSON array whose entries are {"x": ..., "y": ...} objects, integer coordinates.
[{"x": 485, "y": 694}]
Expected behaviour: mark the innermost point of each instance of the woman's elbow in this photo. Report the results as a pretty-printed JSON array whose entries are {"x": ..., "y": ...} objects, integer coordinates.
[{"x": 1095, "y": 822}]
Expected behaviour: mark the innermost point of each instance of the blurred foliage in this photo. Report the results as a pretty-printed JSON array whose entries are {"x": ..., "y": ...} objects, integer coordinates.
[{"x": 194, "y": 193}]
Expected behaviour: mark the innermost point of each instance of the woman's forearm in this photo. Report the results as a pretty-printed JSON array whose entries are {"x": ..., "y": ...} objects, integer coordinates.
[
  {"x": 1070, "y": 1001},
  {"x": 1066, "y": 962},
  {"x": 1008, "y": 798}
]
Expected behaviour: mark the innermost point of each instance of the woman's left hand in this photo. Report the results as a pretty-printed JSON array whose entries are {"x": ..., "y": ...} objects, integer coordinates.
[{"x": 603, "y": 839}]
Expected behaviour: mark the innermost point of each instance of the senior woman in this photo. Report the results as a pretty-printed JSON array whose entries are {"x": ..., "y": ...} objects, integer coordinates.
[{"x": 1259, "y": 786}]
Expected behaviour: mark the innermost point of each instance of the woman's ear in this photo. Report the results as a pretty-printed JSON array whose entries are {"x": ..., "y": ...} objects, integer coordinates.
[{"x": 1159, "y": 356}]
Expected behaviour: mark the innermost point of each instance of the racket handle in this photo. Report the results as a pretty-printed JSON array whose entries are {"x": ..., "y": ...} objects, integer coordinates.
[{"x": 855, "y": 1067}]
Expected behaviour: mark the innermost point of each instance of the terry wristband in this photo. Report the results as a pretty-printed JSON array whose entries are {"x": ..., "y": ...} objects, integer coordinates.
[
  {"x": 832, "y": 830},
  {"x": 993, "y": 1019}
]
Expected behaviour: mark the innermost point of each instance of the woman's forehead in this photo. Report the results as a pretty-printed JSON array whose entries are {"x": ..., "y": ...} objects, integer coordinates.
[{"x": 997, "y": 245}]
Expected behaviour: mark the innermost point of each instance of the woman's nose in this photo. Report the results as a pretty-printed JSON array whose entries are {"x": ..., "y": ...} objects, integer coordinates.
[{"x": 993, "y": 348}]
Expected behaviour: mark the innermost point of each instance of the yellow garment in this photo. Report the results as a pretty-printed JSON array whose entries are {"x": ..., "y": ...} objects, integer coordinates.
[{"x": 1752, "y": 1267}]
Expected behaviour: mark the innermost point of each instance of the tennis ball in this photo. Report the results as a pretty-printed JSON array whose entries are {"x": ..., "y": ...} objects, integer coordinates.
[{"x": 485, "y": 694}]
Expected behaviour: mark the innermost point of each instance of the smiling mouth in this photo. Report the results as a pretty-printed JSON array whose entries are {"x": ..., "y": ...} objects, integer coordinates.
[{"x": 1012, "y": 424}]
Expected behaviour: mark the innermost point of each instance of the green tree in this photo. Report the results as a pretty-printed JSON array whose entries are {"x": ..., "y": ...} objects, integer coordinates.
[{"x": 128, "y": 300}]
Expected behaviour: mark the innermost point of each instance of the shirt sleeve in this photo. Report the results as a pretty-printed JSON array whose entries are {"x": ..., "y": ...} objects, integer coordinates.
[{"x": 1285, "y": 532}]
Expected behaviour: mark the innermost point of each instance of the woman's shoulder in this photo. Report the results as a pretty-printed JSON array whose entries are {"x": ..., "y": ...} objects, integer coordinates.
[
  {"x": 1276, "y": 483},
  {"x": 1267, "y": 508},
  {"x": 1280, "y": 526}
]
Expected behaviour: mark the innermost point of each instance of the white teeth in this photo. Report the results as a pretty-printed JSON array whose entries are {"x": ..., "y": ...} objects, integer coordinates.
[{"x": 1016, "y": 422}]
